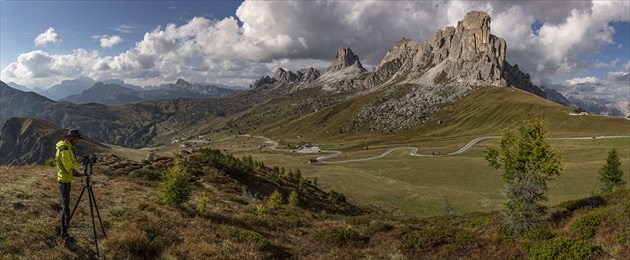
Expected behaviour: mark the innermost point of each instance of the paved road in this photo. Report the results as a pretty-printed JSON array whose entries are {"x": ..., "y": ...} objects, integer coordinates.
[{"x": 413, "y": 150}]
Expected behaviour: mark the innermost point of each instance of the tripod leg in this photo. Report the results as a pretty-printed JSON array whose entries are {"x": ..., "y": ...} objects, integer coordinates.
[
  {"x": 77, "y": 204},
  {"x": 90, "y": 195},
  {"x": 97, "y": 212}
]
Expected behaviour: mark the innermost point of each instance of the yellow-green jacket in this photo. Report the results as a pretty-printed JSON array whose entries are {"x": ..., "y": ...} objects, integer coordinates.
[{"x": 66, "y": 160}]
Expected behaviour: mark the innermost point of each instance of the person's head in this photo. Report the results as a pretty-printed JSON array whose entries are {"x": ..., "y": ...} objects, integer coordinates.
[{"x": 73, "y": 136}]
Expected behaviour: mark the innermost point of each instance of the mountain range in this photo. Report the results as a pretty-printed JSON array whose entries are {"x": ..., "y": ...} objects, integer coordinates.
[
  {"x": 104, "y": 93},
  {"x": 414, "y": 81}
]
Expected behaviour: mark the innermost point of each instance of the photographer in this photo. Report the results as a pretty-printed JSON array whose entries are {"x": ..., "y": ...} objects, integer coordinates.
[{"x": 66, "y": 159}]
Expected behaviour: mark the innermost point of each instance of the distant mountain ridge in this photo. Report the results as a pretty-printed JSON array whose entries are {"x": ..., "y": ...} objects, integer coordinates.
[
  {"x": 27, "y": 140},
  {"x": 116, "y": 94},
  {"x": 414, "y": 81}
]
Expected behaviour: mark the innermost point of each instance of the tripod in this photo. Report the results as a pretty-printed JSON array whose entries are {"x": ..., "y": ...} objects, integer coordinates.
[{"x": 89, "y": 161}]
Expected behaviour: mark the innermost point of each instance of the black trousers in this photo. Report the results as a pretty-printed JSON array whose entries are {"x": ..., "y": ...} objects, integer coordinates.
[{"x": 64, "y": 189}]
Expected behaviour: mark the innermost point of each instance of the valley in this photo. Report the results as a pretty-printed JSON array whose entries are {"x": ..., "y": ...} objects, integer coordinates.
[
  {"x": 418, "y": 185},
  {"x": 389, "y": 162}
]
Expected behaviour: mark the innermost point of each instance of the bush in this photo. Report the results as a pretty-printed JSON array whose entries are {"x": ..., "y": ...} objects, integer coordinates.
[
  {"x": 338, "y": 235},
  {"x": 540, "y": 233},
  {"x": 379, "y": 227},
  {"x": 50, "y": 162},
  {"x": 335, "y": 197},
  {"x": 275, "y": 200},
  {"x": 227, "y": 163},
  {"x": 203, "y": 203},
  {"x": 148, "y": 174},
  {"x": 584, "y": 226},
  {"x": 424, "y": 239},
  {"x": 253, "y": 237},
  {"x": 120, "y": 213},
  {"x": 176, "y": 185},
  {"x": 563, "y": 248},
  {"x": 294, "y": 199}
]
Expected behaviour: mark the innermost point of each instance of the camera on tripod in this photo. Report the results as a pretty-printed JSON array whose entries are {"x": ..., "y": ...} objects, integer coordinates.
[{"x": 87, "y": 159}]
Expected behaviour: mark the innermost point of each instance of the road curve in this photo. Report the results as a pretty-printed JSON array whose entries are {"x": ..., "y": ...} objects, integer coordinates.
[{"x": 413, "y": 150}]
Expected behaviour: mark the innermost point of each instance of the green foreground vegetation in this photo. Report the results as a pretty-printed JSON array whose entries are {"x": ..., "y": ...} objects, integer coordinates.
[{"x": 241, "y": 209}]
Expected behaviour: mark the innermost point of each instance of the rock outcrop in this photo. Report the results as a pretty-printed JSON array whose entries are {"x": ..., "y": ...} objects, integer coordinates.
[
  {"x": 281, "y": 76},
  {"x": 344, "y": 59},
  {"x": 466, "y": 56}
]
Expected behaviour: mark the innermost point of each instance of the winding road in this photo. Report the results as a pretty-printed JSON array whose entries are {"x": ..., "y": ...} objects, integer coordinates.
[{"x": 413, "y": 152}]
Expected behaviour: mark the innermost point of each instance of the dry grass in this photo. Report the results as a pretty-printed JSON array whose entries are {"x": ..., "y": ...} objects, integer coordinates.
[{"x": 227, "y": 226}]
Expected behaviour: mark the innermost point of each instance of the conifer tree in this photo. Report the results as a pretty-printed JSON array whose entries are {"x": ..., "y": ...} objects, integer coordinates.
[
  {"x": 528, "y": 162},
  {"x": 611, "y": 175},
  {"x": 176, "y": 185}
]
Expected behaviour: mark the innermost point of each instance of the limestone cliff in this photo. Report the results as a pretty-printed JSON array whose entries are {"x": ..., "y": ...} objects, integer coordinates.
[{"x": 466, "y": 56}]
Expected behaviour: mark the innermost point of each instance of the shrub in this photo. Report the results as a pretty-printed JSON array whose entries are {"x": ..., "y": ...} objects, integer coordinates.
[
  {"x": 50, "y": 162},
  {"x": 540, "y": 233},
  {"x": 338, "y": 235},
  {"x": 584, "y": 226},
  {"x": 379, "y": 227},
  {"x": 148, "y": 174},
  {"x": 120, "y": 213},
  {"x": 563, "y": 248},
  {"x": 227, "y": 163},
  {"x": 255, "y": 220},
  {"x": 335, "y": 197},
  {"x": 294, "y": 199},
  {"x": 275, "y": 200},
  {"x": 256, "y": 239},
  {"x": 424, "y": 239},
  {"x": 176, "y": 185},
  {"x": 203, "y": 203}
]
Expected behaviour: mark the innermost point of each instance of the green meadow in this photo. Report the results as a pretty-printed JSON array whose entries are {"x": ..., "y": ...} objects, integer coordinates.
[{"x": 426, "y": 186}]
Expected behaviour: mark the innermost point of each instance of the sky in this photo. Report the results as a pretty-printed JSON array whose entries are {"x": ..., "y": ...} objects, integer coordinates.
[{"x": 580, "y": 48}]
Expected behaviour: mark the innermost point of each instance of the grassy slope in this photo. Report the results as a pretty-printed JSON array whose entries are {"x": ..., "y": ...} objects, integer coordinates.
[
  {"x": 483, "y": 112},
  {"x": 229, "y": 226},
  {"x": 418, "y": 185}
]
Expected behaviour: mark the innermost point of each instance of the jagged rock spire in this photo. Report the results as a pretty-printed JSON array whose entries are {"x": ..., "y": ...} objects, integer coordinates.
[{"x": 344, "y": 58}]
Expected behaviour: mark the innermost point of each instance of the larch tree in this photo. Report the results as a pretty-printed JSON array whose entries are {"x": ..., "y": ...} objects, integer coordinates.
[
  {"x": 527, "y": 162},
  {"x": 611, "y": 175}
]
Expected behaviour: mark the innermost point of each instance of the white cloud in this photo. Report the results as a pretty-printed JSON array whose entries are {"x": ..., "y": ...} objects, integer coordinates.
[
  {"x": 620, "y": 76},
  {"x": 600, "y": 65},
  {"x": 49, "y": 36},
  {"x": 613, "y": 89},
  {"x": 124, "y": 28},
  {"x": 109, "y": 42},
  {"x": 39, "y": 68},
  {"x": 577, "y": 81},
  {"x": 264, "y": 35}
]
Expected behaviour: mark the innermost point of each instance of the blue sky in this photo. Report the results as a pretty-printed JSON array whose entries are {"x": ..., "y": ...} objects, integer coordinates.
[
  {"x": 77, "y": 22},
  {"x": 578, "y": 47}
]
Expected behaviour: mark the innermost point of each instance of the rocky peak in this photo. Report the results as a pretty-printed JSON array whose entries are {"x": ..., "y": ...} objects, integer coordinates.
[
  {"x": 285, "y": 76},
  {"x": 281, "y": 76},
  {"x": 308, "y": 75},
  {"x": 343, "y": 59},
  {"x": 182, "y": 83},
  {"x": 467, "y": 56}
]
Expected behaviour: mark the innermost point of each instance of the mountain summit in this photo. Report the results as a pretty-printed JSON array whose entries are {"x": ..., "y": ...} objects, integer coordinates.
[
  {"x": 466, "y": 56},
  {"x": 344, "y": 58}
]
